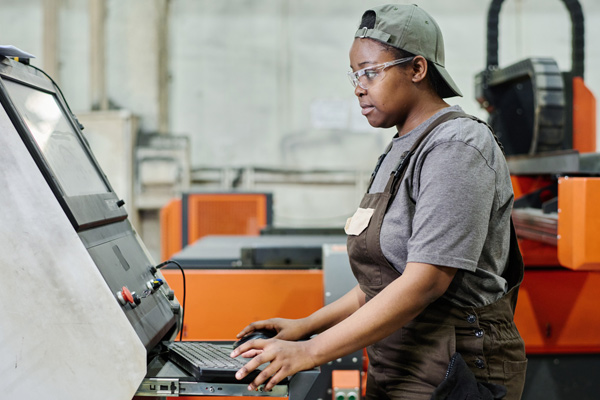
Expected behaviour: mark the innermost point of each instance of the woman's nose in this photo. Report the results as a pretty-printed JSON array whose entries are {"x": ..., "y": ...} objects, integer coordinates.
[{"x": 359, "y": 91}]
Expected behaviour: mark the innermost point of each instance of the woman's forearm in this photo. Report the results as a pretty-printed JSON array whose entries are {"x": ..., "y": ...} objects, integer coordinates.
[
  {"x": 397, "y": 304},
  {"x": 335, "y": 312}
]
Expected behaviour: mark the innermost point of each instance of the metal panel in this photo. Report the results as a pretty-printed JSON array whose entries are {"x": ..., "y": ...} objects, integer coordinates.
[
  {"x": 549, "y": 163},
  {"x": 336, "y": 272},
  {"x": 61, "y": 330}
]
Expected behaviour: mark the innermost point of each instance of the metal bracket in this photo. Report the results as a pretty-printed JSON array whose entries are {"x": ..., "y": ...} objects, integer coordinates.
[
  {"x": 159, "y": 386},
  {"x": 172, "y": 387}
]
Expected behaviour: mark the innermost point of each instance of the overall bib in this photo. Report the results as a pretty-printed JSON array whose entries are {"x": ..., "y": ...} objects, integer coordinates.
[{"x": 412, "y": 362}]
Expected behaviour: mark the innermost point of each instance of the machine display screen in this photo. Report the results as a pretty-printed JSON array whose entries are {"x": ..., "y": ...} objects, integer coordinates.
[{"x": 57, "y": 139}]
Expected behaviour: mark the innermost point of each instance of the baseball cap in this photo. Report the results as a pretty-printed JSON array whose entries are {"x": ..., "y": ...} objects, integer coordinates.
[{"x": 410, "y": 28}]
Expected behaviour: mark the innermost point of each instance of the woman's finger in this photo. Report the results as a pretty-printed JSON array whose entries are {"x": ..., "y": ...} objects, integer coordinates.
[
  {"x": 251, "y": 353},
  {"x": 264, "y": 375},
  {"x": 247, "y": 330},
  {"x": 255, "y": 344},
  {"x": 252, "y": 364},
  {"x": 275, "y": 379}
]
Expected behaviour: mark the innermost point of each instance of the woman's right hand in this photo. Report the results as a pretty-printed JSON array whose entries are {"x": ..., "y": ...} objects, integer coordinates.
[{"x": 287, "y": 329}]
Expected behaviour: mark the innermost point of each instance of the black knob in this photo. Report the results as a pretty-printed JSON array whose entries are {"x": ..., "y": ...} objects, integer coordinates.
[
  {"x": 157, "y": 283},
  {"x": 136, "y": 299}
]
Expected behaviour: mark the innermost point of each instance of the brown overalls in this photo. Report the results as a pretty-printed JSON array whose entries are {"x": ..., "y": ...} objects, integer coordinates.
[{"x": 412, "y": 362}]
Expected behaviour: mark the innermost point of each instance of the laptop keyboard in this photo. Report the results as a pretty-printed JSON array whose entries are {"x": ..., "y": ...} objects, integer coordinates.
[{"x": 200, "y": 358}]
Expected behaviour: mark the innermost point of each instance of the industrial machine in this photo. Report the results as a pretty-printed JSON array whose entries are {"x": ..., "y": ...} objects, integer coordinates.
[
  {"x": 195, "y": 215},
  {"x": 546, "y": 121},
  {"x": 86, "y": 312},
  {"x": 289, "y": 275}
]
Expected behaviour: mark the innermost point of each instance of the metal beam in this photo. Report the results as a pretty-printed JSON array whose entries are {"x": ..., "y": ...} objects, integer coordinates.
[
  {"x": 99, "y": 98},
  {"x": 163, "y": 64},
  {"x": 50, "y": 38}
]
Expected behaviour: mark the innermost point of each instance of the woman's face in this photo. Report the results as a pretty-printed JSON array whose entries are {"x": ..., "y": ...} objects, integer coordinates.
[{"x": 387, "y": 102}]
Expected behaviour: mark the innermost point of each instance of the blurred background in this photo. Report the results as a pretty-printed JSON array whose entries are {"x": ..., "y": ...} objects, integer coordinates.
[{"x": 251, "y": 95}]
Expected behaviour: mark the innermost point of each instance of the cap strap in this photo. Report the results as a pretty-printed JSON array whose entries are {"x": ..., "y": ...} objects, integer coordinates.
[{"x": 373, "y": 34}]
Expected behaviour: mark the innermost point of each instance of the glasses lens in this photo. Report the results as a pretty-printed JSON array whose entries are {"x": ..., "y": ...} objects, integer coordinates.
[
  {"x": 352, "y": 78},
  {"x": 369, "y": 77},
  {"x": 366, "y": 78}
]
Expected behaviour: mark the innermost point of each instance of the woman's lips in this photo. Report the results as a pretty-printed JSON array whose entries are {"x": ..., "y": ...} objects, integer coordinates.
[{"x": 366, "y": 108}]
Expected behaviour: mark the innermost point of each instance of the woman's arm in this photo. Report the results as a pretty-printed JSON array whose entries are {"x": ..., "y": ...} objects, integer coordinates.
[
  {"x": 392, "y": 308},
  {"x": 317, "y": 322},
  {"x": 337, "y": 311},
  {"x": 397, "y": 304}
]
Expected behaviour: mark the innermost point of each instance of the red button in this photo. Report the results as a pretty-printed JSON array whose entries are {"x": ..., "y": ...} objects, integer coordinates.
[{"x": 127, "y": 295}]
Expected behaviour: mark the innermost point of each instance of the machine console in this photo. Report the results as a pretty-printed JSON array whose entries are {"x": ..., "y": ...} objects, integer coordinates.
[{"x": 55, "y": 140}]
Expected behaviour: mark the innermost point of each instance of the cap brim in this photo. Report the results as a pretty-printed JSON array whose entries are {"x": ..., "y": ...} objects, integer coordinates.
[{"x": 450, "y": 88}]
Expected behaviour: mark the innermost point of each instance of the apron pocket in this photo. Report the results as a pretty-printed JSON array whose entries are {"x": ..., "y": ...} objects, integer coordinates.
[
  {"x": 359, "y": 221},
  {"x": 514, "y": 378}
]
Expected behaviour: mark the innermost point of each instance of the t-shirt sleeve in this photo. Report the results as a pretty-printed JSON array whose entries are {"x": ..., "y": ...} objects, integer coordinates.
[{"x": 454, "y": 194}]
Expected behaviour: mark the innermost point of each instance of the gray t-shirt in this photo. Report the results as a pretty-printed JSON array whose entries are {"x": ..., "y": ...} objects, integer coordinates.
[{"x": 453, "y": 207}]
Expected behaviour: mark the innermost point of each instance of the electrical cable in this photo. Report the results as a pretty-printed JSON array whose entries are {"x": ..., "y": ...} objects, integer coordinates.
[
  {"x": 159, "y": 266},
  {"x": 61, "y": 94}
]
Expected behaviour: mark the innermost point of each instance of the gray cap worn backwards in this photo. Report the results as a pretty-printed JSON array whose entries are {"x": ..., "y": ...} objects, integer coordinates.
[{"x": 409, "y": 28}]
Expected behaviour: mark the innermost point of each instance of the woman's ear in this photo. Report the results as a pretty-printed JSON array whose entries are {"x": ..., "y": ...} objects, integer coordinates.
[{"x": 419, "y": 71}]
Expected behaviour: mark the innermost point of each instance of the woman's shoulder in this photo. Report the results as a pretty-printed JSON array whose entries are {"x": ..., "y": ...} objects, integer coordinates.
[{"x": 465, "y": 131}]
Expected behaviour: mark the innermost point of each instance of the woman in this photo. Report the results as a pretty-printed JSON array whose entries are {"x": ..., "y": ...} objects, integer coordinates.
[{"x": 431, "y": 245}]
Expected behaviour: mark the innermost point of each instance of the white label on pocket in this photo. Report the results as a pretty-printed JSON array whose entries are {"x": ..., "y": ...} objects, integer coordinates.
[{"x": 359, "y": 221}]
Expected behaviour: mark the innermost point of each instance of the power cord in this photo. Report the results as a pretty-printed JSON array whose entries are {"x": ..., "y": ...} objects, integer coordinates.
[
  {"x": 163, "y": 264},
  {"x": 60, "y": 92}
]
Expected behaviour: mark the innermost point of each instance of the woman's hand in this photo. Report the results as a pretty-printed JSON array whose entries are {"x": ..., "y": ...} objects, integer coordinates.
[
  {"x": 286, "y": 358},
  {"x": 287, "y": 329}
]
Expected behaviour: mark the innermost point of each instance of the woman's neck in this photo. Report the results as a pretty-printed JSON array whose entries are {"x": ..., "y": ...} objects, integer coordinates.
[{"x": 420, "y": 113}]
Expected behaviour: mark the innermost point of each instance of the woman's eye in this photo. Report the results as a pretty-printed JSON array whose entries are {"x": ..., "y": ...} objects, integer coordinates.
[{"x": 371, "y": 74}]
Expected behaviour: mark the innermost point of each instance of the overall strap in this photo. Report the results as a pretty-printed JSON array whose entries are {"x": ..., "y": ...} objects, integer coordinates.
[{"x": 379, "y": 161}]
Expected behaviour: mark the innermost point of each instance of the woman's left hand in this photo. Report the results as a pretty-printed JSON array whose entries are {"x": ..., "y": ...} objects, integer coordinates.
[{"x": 285, "y": 357}]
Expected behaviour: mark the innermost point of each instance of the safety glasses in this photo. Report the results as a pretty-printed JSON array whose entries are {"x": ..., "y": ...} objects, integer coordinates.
[{"x": 368, "y": 77}]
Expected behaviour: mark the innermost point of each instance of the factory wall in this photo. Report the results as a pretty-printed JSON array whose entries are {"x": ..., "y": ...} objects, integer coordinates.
[{"x": 263, "y": 82}]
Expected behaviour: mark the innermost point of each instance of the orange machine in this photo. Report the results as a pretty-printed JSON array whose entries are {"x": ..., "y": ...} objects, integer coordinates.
[
  {"x": 219, "y": 303},
  {"x": 220, "y": 298},
  {"x": 546, "y": 122},
  {"x": 185, "y": 220},
  {"x": 557, "y": 310}
]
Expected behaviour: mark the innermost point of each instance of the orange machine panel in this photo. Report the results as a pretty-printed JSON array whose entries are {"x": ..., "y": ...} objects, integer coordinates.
[
  {"x": 170, "y": 229},
  {"x": 579, "y": 223},
  {"x": 226, "y": 214},
  {"x": 345, "y": 384},
  {"x": 219, "y": 303},
  {"x": 201, "y": 214},
  {"x": 558, "y": 312},
  {"x": 584, "y": 117}
]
